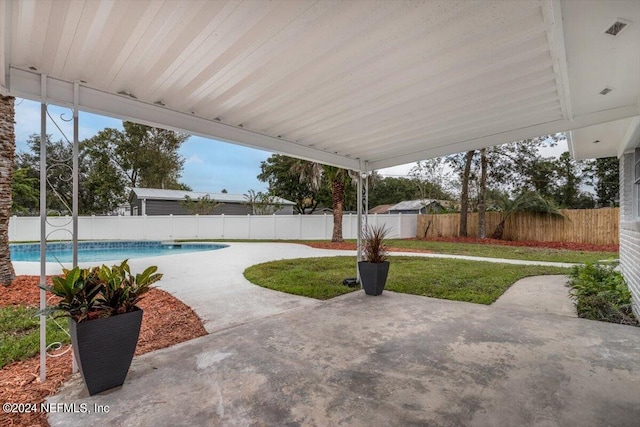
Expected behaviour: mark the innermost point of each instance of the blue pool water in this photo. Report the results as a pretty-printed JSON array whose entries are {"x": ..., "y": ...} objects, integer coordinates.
[{"x": 106, "y": 251}]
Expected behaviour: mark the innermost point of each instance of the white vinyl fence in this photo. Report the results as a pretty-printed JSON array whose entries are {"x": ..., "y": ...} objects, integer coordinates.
[{"x": 169, "y": 227}]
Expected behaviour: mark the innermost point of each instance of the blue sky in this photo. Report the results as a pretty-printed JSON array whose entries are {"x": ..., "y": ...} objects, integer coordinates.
[{"x": 210, "y": 165}]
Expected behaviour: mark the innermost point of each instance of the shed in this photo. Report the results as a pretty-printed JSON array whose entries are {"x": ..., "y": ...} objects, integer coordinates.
[
  {"x": 156, "y": 201},
  {"x": 421, "y": 206}
]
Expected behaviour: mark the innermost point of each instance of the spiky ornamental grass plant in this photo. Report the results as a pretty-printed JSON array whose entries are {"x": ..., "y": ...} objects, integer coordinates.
[{"x": 374, "y": 249}]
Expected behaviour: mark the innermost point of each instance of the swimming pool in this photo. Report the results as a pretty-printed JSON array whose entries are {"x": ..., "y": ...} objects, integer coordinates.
[{"x": 106, "y": 251}]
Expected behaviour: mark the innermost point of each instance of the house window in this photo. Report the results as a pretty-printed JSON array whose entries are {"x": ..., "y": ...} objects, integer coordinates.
[{"x": 636, "y": 182}]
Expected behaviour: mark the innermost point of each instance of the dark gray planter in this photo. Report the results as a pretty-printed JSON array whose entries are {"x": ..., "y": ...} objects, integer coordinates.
[
  {"x": 104, "y": 348},
  {"x": 373, "y": 276}
]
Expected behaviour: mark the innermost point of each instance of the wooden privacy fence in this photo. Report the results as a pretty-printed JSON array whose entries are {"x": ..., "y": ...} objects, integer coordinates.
[{"x": 594, "y": 226}]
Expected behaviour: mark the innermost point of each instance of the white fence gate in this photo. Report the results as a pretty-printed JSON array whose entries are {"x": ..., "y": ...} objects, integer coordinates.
[{"x": 169, "y": 227}]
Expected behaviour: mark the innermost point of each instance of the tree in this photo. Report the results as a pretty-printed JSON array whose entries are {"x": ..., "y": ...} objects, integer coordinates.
[
  {"x": 200, "y": 206},
  {"x": 527, "y": 201},
  {"x": 7, "y": 153},
  {"x": 145, "y": 156},
  {"x": 570, "y": 176},
  {"x": 519, "y": 164},
  {"x": 101, "y": 188},
  {"x": 262, "y": 203},
  {"x": 337, "y": 180},
  {"x": 605, "y": 173},
  {"x": 431, "y": 179},
  {"x": 392, "y": 190},
  {"x": 464, "y": 196},
  {"x": 482, "y": 202},
  {"x": 24, "y": 193},
  {"x": 277, "y": 172}
]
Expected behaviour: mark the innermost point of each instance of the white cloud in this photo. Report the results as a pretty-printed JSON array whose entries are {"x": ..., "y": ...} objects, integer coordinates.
[
  {"x": 401, "y": 170},
  {"x": 194, "y": 159}
]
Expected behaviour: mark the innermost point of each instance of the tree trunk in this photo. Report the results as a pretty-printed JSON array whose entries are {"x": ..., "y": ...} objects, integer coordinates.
[
  {"x": 337, "y": 202},
  {"x": 464, "y": 197},
  {"x": 482, "y": 205},
  {"x": 8, "y": 148},
  {"x": 499, "y": 230}
]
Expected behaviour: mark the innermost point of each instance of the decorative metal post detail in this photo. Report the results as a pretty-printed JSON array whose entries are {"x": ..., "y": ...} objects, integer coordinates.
[
  {"x": 363, "y": 207},
  {"x": 56, "y": 226}
]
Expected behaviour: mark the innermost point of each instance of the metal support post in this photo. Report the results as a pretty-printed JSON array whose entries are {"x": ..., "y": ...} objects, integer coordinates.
[{"x": 43, "y": 228}]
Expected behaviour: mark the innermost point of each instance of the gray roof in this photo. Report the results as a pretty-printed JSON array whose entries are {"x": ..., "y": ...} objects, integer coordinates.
[
  {"x": 161, "y": 194},
  {"x": 413, "y": 205}
]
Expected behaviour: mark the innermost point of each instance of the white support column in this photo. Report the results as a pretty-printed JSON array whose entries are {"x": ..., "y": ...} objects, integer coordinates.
[
  {"x": 363, "y": 202},
  {"x": 359, "y": 212},
  {"x": 43, "y": 228},
  {"x": 75, "y": 178}
]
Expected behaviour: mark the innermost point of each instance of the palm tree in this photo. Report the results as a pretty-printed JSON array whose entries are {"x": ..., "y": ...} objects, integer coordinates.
[
  {"x": 527, "y": 201},
  {"x": 7, "y": 152},
  {"x": 338, "y": 178}
]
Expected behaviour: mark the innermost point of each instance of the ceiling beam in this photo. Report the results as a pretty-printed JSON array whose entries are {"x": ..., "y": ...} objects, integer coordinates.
[
  {"x": 510, "y": 136},
  {"x": 26, "y": 84},
  {"x": 552, "y": 13}
]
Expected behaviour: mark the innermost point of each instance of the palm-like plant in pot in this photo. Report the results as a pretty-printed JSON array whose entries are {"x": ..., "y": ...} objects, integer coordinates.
[
  {"x": 374, "y": 268},
  {"x": 104, "y": 319}
]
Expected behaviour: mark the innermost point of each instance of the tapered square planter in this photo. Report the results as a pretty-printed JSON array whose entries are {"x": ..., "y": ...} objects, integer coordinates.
[
  {"x": 104, "y": 348},
  {"x": 373, "y": 276}
]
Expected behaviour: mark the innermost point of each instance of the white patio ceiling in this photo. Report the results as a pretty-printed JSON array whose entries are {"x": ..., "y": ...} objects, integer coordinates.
[{"x": 358, "y": 84}]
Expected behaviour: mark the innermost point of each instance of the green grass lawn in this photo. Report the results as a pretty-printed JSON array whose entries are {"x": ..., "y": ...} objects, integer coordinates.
[
  {"x": 473, "y": 249},
  {"x": 20, "y": 333},
  {"x": 507, "y": 252},
  {"x": 459, "y": 280}
]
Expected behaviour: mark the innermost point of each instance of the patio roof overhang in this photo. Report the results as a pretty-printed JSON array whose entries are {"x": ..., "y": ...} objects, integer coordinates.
[{"x": 361, "y": 85}]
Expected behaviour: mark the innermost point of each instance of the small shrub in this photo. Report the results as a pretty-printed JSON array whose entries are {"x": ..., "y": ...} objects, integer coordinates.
[{"x": 600, "y": 293}]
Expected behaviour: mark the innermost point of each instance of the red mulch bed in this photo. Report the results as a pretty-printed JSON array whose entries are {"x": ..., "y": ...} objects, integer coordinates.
[
  {"x": 531, "y": 244},
  {"x": 166, "y": 321},
  {"x": 548, "y": 245}
]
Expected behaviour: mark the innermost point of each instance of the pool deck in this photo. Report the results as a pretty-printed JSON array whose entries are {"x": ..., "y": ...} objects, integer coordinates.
[
  {"x": 212, "y": 283},
  {"x": 395, "y": 360}
]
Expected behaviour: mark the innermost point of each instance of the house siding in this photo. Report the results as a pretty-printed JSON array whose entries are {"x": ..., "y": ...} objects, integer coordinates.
[
  {"x": 629, "y": 230},
  {"x": 175, "y": 207}
]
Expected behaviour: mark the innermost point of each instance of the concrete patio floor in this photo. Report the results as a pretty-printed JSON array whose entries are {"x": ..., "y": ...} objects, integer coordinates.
[
  {"x": 273, "y": 359},
  {"x": 393, "y": 360}
]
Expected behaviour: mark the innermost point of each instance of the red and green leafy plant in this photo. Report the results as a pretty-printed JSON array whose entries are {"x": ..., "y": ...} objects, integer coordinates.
[{"x": 96, "y": 292}]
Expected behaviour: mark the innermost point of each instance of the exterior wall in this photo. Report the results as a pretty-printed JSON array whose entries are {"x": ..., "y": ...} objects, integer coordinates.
[
  {"x": 630, "y": 229},
  {"x": 164, "y": 207},
  {"x": 170, "y": 227},
  {"x": 285, "y": 210},
  {"x": 174, "y": 207}
]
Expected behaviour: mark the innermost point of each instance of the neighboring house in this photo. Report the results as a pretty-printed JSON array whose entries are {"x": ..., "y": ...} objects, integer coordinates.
[
  {"x": 155, "y": 201},
  {"x": 421, "y": 206},
  {"x": 380, "y": 209}
]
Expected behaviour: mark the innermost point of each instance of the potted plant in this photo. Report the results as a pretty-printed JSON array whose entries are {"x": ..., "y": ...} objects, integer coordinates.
[
  {"x": 375, "y": 267},
  {"x": 104, "y": 319}
]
